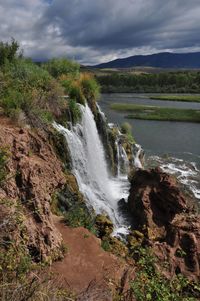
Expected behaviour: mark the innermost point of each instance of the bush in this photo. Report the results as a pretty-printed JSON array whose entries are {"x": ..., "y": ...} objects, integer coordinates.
[
  {"x": 78, "y": 216},
  {"x": 28, "y": 88},
  {"x": 105, "y": 245},
  {"x": 9, "y": 52},
  {"x": 66, "y": 82},
  {"x": 74, "y": 111},
  {"x": 90, "y": 87},
  {"x": 58, "y": 67},
  {"x": 76, "y": 94},
  {"x": 126, "y": 128},
  {"x": 150, "y": 284},
  {"x": 3, "y": 161}
]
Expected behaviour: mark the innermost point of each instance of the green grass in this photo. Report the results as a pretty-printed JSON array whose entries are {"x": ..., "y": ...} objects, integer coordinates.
[
  {"x": 186, "y": 98},
  {"x": 157, "y": 113}
]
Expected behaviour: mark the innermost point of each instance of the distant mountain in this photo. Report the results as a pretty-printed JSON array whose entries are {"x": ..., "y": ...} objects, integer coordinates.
[{"x": 159, "y": 60}]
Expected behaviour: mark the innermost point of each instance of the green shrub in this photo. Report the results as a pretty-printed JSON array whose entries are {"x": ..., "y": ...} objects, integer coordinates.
[
  {"x": 90, "y": 87},
  {"x": 126, "y": 128},
  {"x": 3, "y": 161},
  {"x": 15, "y": 260},
  {"x": 66, "y": 82},
  {"x": 76, "y": 94},
  {"x": 105, "y": 245},
  {"x": 75, "y": 111},
  {"x": 9, "y": 52},
  {"x": 32, "y": 74},
  {"x": 58, "y": 67},
  {"x": 150, "y": 284},
  {"x": 29, "y": 89},
  {"x": 78, "y": 216}
]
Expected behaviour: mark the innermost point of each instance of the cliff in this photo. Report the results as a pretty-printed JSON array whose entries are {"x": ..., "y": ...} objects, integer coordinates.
[
  {"x": 38, "y": 185},
  {"x": 34, "y": 174}
]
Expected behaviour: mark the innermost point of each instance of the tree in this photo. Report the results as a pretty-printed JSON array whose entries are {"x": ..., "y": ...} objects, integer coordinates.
[{"x": 9, "y": 52}]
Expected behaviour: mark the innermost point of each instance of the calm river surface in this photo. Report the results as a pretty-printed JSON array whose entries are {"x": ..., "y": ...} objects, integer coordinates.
[{"x": 173, "y": 145}]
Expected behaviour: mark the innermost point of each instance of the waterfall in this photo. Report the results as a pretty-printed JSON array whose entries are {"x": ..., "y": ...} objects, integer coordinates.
[
  {"x": 102, "y": 192},
  {"x": 118, "y": 157},
  {"x": 122, "y": 160},
  {"x": 101, "y": 112},
  {"x": 137, "y": 151}
]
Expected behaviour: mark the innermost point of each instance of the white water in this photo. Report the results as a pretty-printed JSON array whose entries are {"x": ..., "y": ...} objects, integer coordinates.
[
  {"x": 101, "y": 112},
  {"x": 186, "y": 172},
  {"x": 122, "y": 160},
  {"x": 136, "y": 155},
  {"x": 101, "y": 191}
]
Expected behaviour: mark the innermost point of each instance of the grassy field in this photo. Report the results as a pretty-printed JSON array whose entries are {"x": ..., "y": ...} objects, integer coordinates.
[
  {"x": 157, "y": 113},
  {"x": 186, "y": 98}
]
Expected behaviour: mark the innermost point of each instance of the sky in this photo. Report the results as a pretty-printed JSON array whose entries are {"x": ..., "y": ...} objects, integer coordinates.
[{"x": 96, "y": 31}]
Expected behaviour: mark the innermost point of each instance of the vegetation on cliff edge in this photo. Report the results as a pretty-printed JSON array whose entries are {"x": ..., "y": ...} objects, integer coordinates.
[{"x": 35, "y": 94}]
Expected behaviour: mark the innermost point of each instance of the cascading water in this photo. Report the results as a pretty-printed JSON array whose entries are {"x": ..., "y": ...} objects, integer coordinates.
[
  {"x": 122, "y": 160},
  {"x": 101, "y": 191},
  {"x": 137, "y": 150},
  {"x": 101, "y": 113},
  {"x": 188, "y": 173}
]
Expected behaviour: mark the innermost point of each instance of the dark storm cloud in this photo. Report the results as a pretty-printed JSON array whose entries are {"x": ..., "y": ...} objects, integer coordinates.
[
  {"x": 117, "y": 24},
  {"x": 98, "y": 30}
]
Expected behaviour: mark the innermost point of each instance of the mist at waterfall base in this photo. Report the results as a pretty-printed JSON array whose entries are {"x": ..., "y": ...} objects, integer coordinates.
[{"x": 101, "y": 190}]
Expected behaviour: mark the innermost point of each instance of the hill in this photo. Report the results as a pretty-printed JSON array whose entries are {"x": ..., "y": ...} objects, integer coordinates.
[{"x": 158, "y": 60}]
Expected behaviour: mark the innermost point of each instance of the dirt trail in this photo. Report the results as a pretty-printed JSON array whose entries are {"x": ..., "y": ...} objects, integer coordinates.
[{"x": 86, "y": 263}]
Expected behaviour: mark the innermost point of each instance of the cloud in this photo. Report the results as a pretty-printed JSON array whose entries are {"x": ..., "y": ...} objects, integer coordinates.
[{"x": 95, "y": 31}]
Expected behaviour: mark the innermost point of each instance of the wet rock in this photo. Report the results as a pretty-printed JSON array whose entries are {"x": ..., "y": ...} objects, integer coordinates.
[{"x": 104, "y": 225}]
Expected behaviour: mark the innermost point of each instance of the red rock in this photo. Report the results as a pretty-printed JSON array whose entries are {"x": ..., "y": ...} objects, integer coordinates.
[
  {"x": 34, "y": 173},
  {"x": 167, "y": 219}
]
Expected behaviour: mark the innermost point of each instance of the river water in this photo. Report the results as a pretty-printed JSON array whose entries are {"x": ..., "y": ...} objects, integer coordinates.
[{"x": 175, "y": 146}]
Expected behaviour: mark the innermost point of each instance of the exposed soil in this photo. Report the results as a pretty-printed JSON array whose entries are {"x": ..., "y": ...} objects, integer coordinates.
[{"x": 86, "y": 266}]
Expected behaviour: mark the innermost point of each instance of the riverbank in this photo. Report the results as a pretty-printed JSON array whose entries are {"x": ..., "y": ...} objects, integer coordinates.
[
  {"x": 184, "y": 98},
  {"x": 157, "y": 113}
]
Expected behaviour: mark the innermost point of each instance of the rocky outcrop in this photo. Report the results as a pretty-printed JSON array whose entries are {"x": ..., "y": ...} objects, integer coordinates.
[
  {"x": 107, "y": 139},
  {"x": 34, "y": 174},
  {"x": 168, "y": 221}
]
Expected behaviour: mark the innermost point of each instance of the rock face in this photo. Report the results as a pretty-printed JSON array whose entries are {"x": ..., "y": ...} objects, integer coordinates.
[
  {"x": 169, "y": 224},
  {"x": 36, "y": 186},
  {"x": 34, "y": 174}
]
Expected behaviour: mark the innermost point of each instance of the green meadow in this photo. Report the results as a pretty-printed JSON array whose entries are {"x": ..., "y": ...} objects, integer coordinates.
[{"x": 157, "y": 113}]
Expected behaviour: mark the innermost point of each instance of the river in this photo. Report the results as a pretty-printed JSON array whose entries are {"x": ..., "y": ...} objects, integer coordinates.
[{"x": 175, "y": 146}]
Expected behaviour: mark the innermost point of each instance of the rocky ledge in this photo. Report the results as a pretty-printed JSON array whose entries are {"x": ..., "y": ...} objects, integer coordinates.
[
  {"x": 167, "y": 220},
  {"x": 34, "y": 174}
]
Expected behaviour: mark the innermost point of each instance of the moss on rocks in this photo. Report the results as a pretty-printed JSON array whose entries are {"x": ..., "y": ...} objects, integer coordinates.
[
  {"x": 68, "y": 196},
  {"x": 134, "y": 239},
  {"x": 59, "y": 143},
  {"x": 104, "y": 225}
]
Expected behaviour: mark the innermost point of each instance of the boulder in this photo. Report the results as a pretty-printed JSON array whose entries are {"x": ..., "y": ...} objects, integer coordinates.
[{"x": 168, "y": 220}]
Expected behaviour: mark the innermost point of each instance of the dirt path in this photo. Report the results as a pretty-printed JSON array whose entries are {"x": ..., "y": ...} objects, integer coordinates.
[{"x": 86, "y": 263}]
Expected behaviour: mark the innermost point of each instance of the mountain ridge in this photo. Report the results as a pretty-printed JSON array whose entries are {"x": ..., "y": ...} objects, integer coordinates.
[{"x": 160, "y": 60}]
